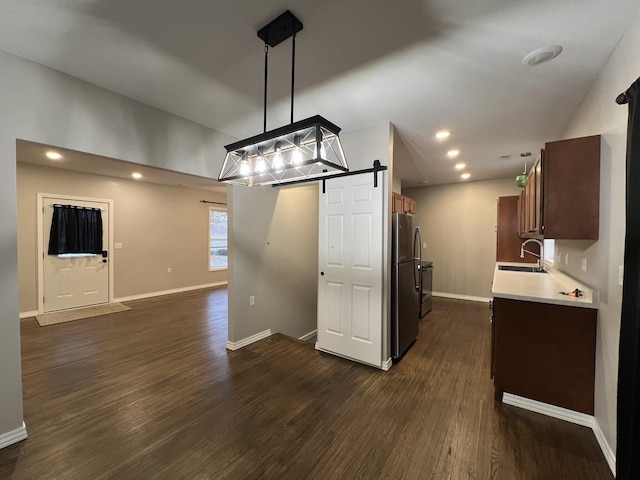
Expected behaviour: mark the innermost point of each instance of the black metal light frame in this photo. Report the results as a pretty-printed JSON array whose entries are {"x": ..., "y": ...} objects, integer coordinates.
[{"x": 303, "y": 150}]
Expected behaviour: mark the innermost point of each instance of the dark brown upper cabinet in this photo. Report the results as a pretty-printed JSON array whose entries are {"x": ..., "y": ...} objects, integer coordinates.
[
  {"x": 561, "y": 199},
  {"x": 571, "y": 188}
]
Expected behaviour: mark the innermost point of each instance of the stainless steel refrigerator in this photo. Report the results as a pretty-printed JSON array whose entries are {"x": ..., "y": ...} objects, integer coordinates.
[{"x": 405, "y": 284}]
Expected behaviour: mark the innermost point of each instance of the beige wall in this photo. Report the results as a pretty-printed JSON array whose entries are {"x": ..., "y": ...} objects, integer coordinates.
[
  {"x": 42, "y": 105},
  {"x": 274, "y": 247},
  {"x": 274, "y": 257},
  {"x": 458, "y": 224},
  {"x": 159, "y": 227},
  {"x": 600, "y": 114}
]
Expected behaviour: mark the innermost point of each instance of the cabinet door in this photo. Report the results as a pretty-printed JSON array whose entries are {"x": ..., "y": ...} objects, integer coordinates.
[
  {"x": 397, "y": 203},
  {"x": 545, "y": 352},
  {"x": 507, "y": 239},
  {"x": 529, "y": 193},
  {"x": 413, "y": 206},
  {"x": 571, "y": 171},
  {"x": 537, "y": 207},
  {"x": 521, "y": 209},
  {"x": 406, "y": 204}
]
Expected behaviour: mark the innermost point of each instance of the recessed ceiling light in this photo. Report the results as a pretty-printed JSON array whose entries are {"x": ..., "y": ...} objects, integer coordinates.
[
  {"x": 465, "y": 176},
  {"x": 442, "y": 134},
  {"x": 542, "y": 55},
  {"x": 136, "y": 175},
  {"x": 53, "y": 155},
  {"x": 453, "y": 153},
  {"x": 460, "y": 166}
]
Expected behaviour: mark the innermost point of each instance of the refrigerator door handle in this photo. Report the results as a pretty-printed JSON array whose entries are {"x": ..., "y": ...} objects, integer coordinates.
[{"x": 417, "y": 256}]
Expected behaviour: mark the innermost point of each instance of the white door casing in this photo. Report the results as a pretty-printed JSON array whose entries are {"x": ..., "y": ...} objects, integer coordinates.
[
  {"x": 350, "y": 261},
  {"x": 72, "y": 282}
]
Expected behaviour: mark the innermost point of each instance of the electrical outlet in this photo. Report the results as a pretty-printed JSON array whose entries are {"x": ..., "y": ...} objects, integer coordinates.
[
  {"x": 117, "y": 245},
  {"x": 620, "y": 274},
  {"x": 252, "y": 300},
  {"x": 583, "y": 264},
  {"x": 424, "y": 244},
  {"x": 168, "y": 269},
  {"x": 566, "y": 259}
]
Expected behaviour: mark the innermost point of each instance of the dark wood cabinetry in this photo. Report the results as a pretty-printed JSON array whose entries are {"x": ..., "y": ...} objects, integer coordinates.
[
  {"x": 571, "y": 171},
  {"x": 544, "y": 352},
  {"x": 402, "y": 204},
  {"x": 561, "y": 199},
  {"x": 508, "y": 240}
]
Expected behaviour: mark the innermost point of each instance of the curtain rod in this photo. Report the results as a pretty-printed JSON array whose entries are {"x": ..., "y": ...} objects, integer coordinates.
[
  {"x": 215, "y": 203},
  {"x": 75, "y": 206}
]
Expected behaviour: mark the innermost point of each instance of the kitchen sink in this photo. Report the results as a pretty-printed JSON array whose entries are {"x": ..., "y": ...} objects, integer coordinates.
[{"x": 520, "y": 268}]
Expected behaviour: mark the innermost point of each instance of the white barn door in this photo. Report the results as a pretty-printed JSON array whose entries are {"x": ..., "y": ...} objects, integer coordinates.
[{"x": 350, "y": 284}]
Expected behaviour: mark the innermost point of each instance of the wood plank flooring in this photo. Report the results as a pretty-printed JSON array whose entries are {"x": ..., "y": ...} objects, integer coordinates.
[{"x": 152, "y": 393}]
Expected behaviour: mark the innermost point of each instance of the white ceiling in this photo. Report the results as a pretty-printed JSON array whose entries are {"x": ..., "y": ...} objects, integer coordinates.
[{"x": 421, "y": 64}]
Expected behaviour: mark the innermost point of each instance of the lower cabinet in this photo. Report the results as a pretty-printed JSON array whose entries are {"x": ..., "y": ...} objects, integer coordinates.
[{"x": 544, "y": 352}]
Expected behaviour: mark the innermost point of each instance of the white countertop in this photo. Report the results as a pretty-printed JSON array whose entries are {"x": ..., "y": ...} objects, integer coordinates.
[{"x": 541, "y": 287}]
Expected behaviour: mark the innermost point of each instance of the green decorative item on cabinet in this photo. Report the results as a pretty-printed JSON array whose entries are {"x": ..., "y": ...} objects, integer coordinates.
[{"x": 521, "y": 180}]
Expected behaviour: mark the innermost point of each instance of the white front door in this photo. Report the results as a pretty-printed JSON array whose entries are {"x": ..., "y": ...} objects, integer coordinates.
[
  {"x": 71, "y": 281},
  {"x": 350, "y": 304}
]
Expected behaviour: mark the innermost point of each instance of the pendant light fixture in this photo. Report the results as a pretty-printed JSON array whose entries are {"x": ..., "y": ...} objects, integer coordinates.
[{"x": 304, "y": 150}]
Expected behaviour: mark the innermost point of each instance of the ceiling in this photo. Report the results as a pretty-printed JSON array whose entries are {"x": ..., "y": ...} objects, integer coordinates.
[
  {"x": 36, "y": 154},
  {"x": 423, "y": 65}
]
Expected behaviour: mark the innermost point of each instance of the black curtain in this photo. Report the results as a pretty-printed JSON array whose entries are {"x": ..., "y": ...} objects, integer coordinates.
[
  {"x": 75, "y": 230},
  {"x": 628, "y": 431}
]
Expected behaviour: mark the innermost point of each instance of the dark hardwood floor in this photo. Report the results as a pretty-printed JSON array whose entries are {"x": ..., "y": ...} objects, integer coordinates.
[{"x": 152, "y": 393}]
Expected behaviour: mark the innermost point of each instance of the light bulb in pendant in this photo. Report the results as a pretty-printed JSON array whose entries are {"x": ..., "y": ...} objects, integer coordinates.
[
  {"x": 278, "y": 162},
  {"x": 244, "y": 168},
  {"x": 296, "y": 157},
  {"x": 261, "y": 165}
]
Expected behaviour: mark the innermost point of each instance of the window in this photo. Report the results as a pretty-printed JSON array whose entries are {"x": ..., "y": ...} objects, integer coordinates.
[
  {"x": 549, "y": 250},
  {"x": 218, "y": 248}
]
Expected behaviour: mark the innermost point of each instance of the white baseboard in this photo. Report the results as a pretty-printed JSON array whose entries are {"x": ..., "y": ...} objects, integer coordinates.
[
  {"x": 309, "y": 335},
  {"x": 608, "y": 453},
  {"x": 386, "y": 365},
  {"x": 146, "y": 295},
  {"x": 462, "y": 297},
  {"x": 169, "y": 292},
  {"x": 549, "y": 410},
  {"x": 247, "y": 341},
  {"x": 14, "y": 436},
  {"x": 569, "y": 416}
]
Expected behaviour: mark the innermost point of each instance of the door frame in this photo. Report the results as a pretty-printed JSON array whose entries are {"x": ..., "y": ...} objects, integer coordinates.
[{"x": 41, "y": 248}]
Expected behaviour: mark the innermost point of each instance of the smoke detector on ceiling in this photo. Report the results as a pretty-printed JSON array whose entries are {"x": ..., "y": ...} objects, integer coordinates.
[{"x": 542, "y": 55}]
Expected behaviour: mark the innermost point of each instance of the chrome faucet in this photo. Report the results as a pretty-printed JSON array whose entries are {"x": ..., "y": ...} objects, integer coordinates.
[{"x": 540, "y": 256}]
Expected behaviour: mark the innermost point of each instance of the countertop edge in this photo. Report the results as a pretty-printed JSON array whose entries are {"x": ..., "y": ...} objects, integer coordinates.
[{"x": 539, "y": 285}]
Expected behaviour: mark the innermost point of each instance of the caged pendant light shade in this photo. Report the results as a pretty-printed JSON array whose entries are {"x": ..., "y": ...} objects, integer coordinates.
[{"x": 304, "y": 150}]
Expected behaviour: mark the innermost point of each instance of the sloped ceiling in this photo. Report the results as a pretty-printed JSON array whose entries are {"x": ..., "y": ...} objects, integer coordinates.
[{"x": 422, "y": 65}]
